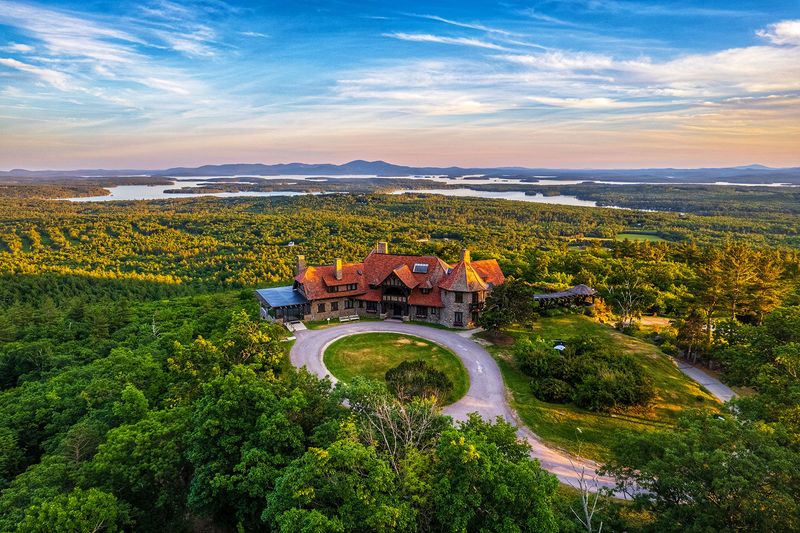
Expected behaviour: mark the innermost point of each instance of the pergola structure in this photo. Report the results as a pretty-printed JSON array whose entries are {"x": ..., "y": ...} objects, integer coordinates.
[{"x": 577, "y": 295}]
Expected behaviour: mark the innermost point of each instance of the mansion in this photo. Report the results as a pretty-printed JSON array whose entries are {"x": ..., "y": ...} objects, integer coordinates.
[{"x": 384, "y": 285}]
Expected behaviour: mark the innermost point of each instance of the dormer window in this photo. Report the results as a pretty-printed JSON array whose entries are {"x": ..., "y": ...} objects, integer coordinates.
[{"x": 425, "y": 291}]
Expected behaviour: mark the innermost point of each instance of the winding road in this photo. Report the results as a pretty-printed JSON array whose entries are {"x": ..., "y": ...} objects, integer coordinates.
[{"x": 486, "y": 394}]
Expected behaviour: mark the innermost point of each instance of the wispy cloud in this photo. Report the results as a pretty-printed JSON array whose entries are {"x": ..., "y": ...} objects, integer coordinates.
[
  {"x": 533, "y": 14},
  {"x": 430, "y": 38},
  {"x": 584, "y": 103},
  {"x": 469, "y": 25},
  {"x": 77, "y": 54},
  {"x": 59, "y": 80},
  {"x": 18, "y": 47},
  {"x": 658, "y": 9}
]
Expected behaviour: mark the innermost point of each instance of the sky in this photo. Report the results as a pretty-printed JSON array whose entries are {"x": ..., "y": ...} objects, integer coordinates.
[{"x": 559, "y": 84}]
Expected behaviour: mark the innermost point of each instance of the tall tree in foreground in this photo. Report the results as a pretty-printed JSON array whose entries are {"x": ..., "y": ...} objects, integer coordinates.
[
  {"x": 90, "y": 511},
  {"x": 486, "y": 481},
  {"x": 712, "y": 475}
]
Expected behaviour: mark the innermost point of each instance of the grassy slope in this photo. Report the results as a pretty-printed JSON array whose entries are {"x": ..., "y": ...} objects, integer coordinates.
[
  {"x": 557, "y": 423},
  {"x": 372, "y": 354}
]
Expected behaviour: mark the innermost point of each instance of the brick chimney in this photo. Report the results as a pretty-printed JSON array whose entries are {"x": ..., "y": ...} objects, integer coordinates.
[
  {"x": 337, "y": 268},
  {"x": 383, "y": 247},
  {"x": 301, "y": 265},
  {"x": 465, "y": 256}
]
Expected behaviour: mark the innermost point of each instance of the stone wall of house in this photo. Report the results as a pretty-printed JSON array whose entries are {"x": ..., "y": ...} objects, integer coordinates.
[
  {"x": 430, "y": 317},
  {"x": 315, "y": 314},
  {"x": 444, "y": 315},
  {"x": 448, "y": 314}
]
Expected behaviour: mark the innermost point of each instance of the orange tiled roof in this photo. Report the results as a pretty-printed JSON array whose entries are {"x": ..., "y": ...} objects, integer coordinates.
[
  {"x": 432, "y": 299},
  {"x": 351, "y": 273},
  {"x": 314, "y": 280},
  {"x": 372, "y": 295},
  {"x": 465, "y": 276},
  {"x": 405, "y": 275},
  {"x": 377, "y": 267},
  {"x": 489, "y": 271}
]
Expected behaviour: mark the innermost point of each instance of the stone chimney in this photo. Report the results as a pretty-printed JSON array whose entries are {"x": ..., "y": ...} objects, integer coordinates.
[
  {"x": 301, "y": 265},
  {"x": 337, "y": 268},
  {"x": 383, "y": 247},
  {"x": 465, "y": 256}
]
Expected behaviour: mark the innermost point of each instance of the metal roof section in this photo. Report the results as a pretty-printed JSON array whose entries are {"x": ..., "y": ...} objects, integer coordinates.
[{"x": 285, "y": 296}]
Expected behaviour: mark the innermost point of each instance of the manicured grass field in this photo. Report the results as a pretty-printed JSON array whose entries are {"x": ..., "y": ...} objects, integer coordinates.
[
  {"x": 651, "y": 237},
  {"x": 372, "y": 354},
  {"x": 558, "y": 423},
  {"x": 321, "y": 324}
]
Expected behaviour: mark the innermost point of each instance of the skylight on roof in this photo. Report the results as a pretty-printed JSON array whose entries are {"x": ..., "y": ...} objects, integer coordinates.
[{"x": 420, "y": 268}]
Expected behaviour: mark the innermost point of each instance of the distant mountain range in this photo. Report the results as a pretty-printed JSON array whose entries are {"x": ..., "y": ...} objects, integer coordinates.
[{"x": 756, "y": 173}]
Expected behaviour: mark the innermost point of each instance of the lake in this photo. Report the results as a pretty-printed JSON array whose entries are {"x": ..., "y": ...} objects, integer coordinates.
[
  {"x": 520, "y": 196},
  {"x": 157, "y": 192}
]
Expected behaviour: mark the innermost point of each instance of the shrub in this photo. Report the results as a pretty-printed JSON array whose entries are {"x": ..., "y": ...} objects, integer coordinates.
[
  {"x": 586, "y": 373},
  {"x": 595, "y": 394},
  {"x": 670, "y": 349},
  {"x": 417, "y": 379},
  {"x": 552, "y": 390}
]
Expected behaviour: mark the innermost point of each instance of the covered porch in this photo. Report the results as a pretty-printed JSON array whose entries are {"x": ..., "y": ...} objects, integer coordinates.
[{"x": 282, "y": 304}]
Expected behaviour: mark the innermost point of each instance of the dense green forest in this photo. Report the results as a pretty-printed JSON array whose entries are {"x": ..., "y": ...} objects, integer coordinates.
[{"x": 138, "y": 391}]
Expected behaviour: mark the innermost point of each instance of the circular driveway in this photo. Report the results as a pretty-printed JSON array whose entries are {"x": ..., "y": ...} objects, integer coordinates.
[{"x": 486, "y": 395}]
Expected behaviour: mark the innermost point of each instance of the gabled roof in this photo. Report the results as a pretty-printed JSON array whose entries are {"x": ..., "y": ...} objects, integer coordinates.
[
  {"x": 314, "y": 281},
  {"x": 489, "y": 271},
  {"x": 377, "y": 267},
  {"x": 405, "y": 275},
  {"x": 466, "y": 276},
  {"x": 463, "y": 278}
]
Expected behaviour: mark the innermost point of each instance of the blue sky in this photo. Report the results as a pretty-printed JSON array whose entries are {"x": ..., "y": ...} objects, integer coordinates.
[{"x": 576, "y": 83}]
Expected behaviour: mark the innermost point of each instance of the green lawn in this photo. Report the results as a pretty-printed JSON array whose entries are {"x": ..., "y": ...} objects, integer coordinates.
[
  {"x": 558, "y": 423},
  {"x": 321, "y": 324},
  {"x": 651, "y": 237},
  {"x": 372, "y": 354}
]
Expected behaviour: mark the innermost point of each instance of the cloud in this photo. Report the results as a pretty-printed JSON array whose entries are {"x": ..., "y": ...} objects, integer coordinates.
[
  {"x": 429, "y": 38},
  {"x": 562, "y": 60},
  {"x": 18, "y": 47},
  {"x": 166, "y": 85},
  {"x": 785, "y": 32},
  {"x": 583, "y": 103},
  {"x": 655, "y": 9},
  {"x": 80, "y": 53},
  {"x": 59, "y": 80},
  {"x": 531, "y": 13},
  {"x": 470, "y": 25}
]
